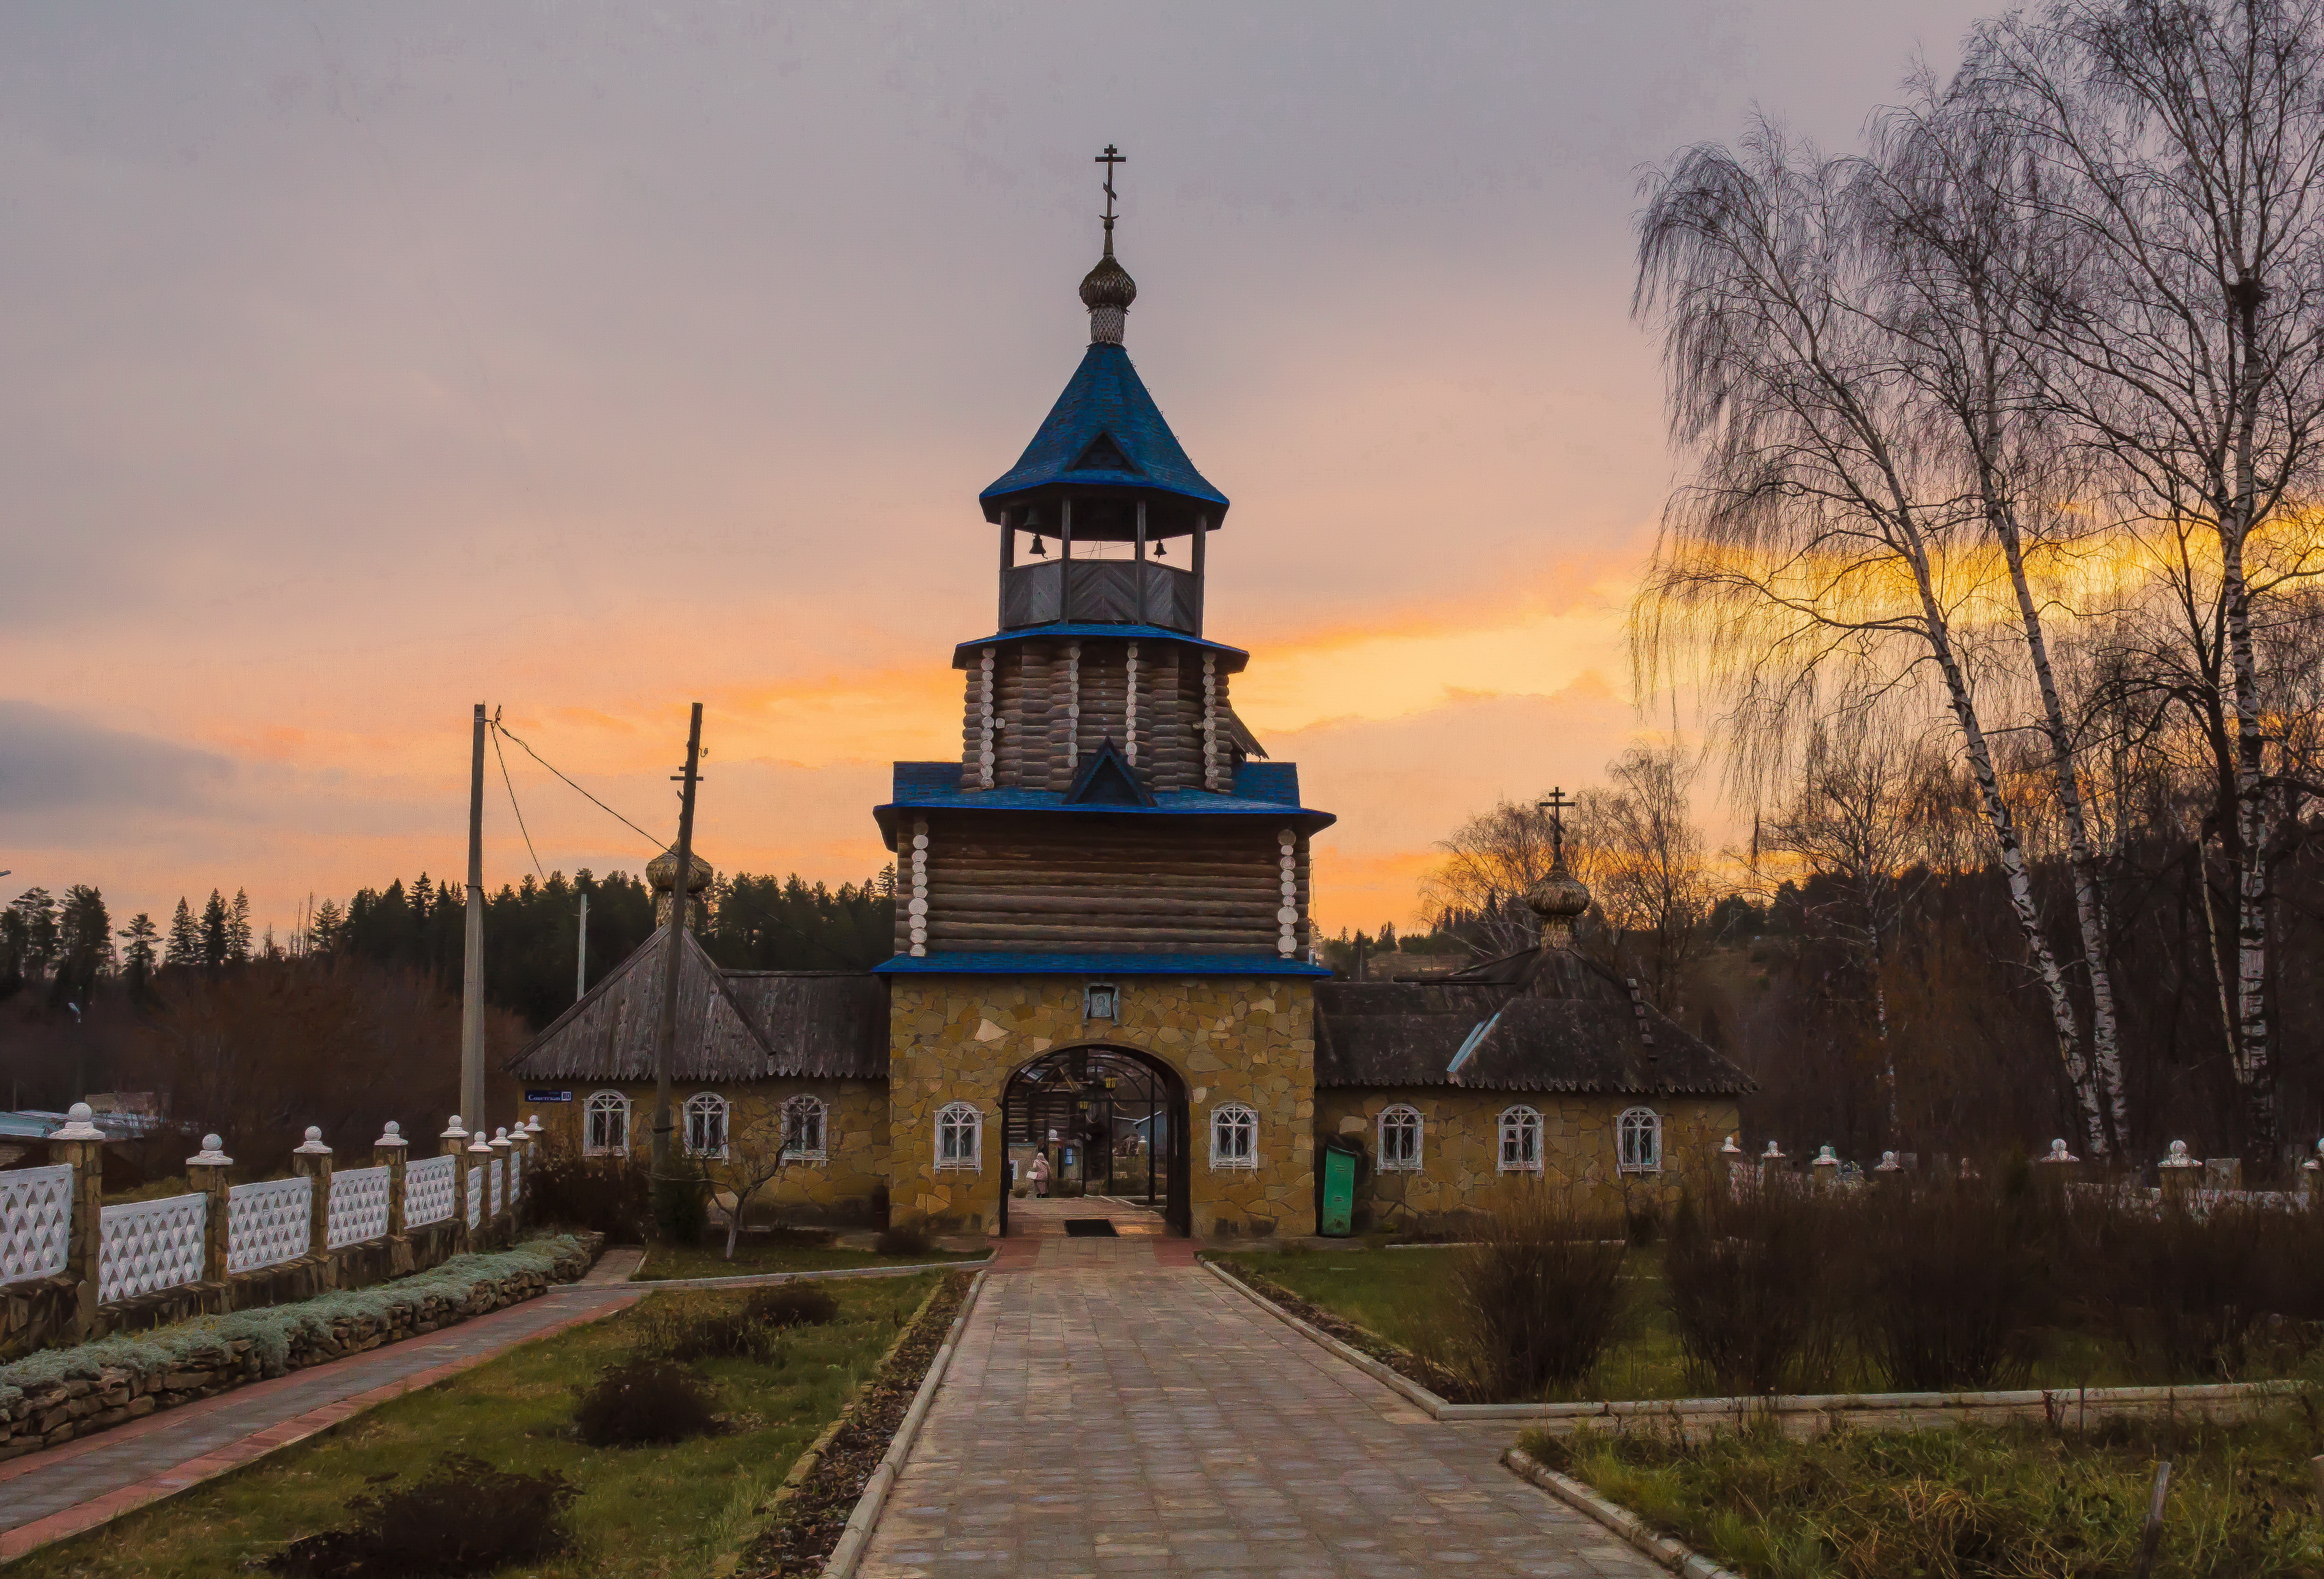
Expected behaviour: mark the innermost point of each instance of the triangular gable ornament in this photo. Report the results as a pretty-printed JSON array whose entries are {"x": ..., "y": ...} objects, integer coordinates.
[{"x": 1106, "y": 779}]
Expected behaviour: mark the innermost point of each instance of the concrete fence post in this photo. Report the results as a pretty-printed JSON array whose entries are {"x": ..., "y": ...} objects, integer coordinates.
[
  {"x": 80, "y": 1145},
  {"x": 206, "y": 1169},
  {"x": 313, "y": 1158},
  {"x": 1826, "y": 1171},
  {"x": 2180, "y": 1172},
  {"x": 454, "y": 1144},
  {"x": 480, "y": 1161},
  {"x": 388, "y": 1152}
]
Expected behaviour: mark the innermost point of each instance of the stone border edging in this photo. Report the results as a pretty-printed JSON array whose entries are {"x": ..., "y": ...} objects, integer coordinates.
[
  {"x": 746, "y": 1280},
  {"x": 857, "y": 1534},
  {"x": 1828, "y": 1404},
  {"x": 1674, "y": 1555}
]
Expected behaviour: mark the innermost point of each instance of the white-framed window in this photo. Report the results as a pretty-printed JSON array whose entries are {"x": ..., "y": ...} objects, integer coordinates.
[
  {"x": 606, "y": 1125},
  {"x": 705, "y": 1124},
  {"x": 803, "y": 1123},
  {"x": 1638, "y": 1134},
  {"x": 1234, "y": 1136},
  {"x": 1520, "y": 1140},
  {"x": 1399, "y": 1138},
  {"x": 960, "y": 1137}
]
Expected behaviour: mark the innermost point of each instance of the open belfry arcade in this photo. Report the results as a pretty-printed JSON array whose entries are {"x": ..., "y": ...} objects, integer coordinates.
[{"x": 1104, "y": 975}]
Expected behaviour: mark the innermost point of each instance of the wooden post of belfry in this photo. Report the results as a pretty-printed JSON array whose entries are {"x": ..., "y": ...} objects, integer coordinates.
[
  {"x": 471, "y": 975},
  {"x": 673, "y": 960}
]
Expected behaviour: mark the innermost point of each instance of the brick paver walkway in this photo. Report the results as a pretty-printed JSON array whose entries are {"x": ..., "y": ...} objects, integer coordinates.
[
  {"x": 47, "y": 1496},
  {"x": 1110, "y": 1413}
]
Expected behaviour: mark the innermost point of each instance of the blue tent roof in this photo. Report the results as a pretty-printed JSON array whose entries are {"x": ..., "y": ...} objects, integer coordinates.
[{"x": 1106, "y": 399}]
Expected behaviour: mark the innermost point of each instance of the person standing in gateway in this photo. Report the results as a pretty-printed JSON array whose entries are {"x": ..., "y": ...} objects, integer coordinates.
[{"x": 1039, "y": 1172}]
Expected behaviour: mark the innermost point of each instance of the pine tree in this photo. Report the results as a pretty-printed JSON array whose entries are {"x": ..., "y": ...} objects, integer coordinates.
[
  {"x": 84, "y": 945},
  {"x": 185, "y": 948},
  {"x": 237, "y": 929},
  {"x": 137, "y": 960},
  {"x": 34, "y": 939},
  {"x": 213, "y": 932},
  {"x": 324, "y": 932}
]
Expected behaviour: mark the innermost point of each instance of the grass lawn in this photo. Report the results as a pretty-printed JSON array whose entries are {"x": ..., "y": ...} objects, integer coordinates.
[
  {"x": 1405, "y": 1295},
  {"x": 643, "y": 1510},
  {"x": 2016, "y": 1500},
  {"x": 710, "y": 1261}
]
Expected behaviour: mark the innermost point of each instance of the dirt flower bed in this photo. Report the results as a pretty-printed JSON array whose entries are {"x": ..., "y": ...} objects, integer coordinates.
[
  {"x": 809, "y": 1520},
  {"x": 1438, "y": 1379}
]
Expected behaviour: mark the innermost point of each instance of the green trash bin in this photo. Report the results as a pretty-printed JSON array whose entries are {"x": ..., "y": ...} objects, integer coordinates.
[{"x": 1339, "y": 1192}]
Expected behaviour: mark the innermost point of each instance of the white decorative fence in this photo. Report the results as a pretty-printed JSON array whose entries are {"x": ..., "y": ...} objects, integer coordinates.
[
  {"x": 147, "y": 1245},
  {"x": 35, "y": 1222},
  {"x": 51, "y": 1225},
  {"x": 429, "y": 1191},
  {"x": 267, "y": 1224},
  {"x": 359, "y": 1199}
]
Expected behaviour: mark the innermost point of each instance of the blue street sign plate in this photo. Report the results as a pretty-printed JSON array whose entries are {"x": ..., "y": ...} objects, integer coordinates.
[{"x": 549, "y": 1096}]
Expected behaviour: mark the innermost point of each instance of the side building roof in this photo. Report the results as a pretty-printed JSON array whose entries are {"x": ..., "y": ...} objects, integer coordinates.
[
  {"x": 740, "y": 1025},
  {"x": 1544, "y": 1021}
]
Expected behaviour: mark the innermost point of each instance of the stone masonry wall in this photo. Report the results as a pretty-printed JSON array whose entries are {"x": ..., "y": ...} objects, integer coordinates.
[
  {"x": 1252, "y": 1040},
  {"x": 34, "y": 1416},
  {"x": 843, "y": 1189},
  {"x": 1460, "y": 1158}
]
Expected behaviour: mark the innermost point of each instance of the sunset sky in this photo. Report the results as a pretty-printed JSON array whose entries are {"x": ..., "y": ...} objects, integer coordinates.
[{"x": 359, "y": 364}]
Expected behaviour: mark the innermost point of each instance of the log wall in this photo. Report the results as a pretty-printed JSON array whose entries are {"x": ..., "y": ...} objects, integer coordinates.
[
  {"x": 1107, "y": 885},
  {"x": 1055, "y": 702}
]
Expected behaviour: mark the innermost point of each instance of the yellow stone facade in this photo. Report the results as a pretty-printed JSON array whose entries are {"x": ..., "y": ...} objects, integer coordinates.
[
  {"x": 846, "y": 1187},
  {"x": 1460, "y": 1156},
  {"x": 1230, "y": 1040}
]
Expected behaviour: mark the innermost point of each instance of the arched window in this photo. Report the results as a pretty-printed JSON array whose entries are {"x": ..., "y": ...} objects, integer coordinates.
[
  {"x": 1399, "y": 1138},
  {"x": 606, "y": 1125},
  {"x": 1639, "y": 1135},
  {"x": 1234, "y": 1136},
  {"x": 802, "y": 1119},
  {"x": 705, "y": 1124},
  {"x": 1520, "y": 1140},
  {"x": 960, "y": 1137}
]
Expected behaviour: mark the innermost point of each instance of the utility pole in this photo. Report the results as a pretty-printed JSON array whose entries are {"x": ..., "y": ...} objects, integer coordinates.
[
  {"x": 472, "y": 979},
  {"x": 673, "y": 957},
  {"x": 581, "y": 957}
]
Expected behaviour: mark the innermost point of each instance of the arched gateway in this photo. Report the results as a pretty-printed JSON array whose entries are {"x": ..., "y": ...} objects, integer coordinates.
[{"x": 1107, "y": 1121}]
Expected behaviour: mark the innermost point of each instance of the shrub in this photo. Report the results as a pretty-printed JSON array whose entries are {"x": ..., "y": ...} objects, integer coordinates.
[
  {"x": 908, "y": 1238},
  {"x": 612, "y": 1195},
  {"x": 1538, "y": 1297},
  {"x": 1746, "y": 1272},
  {"x": 1952, "y": 1278},
  {"x": 465, "y": 1518},
  {"x": 645, "y": 1401},
  {"x": 680, "y": 1210},
  {"x": 790, "y": 1305},
  {"x": 2185, "y": 1295},
  {"x": 689, "y": 1327}
]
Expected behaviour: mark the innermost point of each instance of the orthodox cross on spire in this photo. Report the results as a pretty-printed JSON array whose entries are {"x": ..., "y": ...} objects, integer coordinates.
[
  {"x": 1555, "y": 806},
  {"x": 1107, "y": 290},
  {"x": 1108, "y": 158}
]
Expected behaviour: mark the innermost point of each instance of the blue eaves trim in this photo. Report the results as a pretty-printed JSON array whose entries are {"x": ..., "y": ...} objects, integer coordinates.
[
  {"x": 1106, "y": 396},
  {"x": 1098, "y": 965},
  {"x": 966, "y": 653}
]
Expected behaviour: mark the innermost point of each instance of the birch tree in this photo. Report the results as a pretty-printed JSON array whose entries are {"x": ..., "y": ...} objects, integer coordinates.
[
  {"x": 2179, "y": 160},
  {"x": 1823, "y": 540}
]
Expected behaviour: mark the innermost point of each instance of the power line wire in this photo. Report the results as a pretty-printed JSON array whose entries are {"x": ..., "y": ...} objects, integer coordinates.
[
  {"x": 584, "y": 795},
  {"x": 500, "y": 757}
]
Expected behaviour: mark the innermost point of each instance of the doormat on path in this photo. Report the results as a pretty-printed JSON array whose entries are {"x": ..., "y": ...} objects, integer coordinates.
[{"x": 1088, "y": 1227}]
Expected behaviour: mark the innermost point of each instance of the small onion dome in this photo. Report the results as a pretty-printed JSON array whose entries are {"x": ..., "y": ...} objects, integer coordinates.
[
  {"x": 1107, "y": 290},
  {"x": 664, "y": 866},
  {"x": 1557, "y": 899}
]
